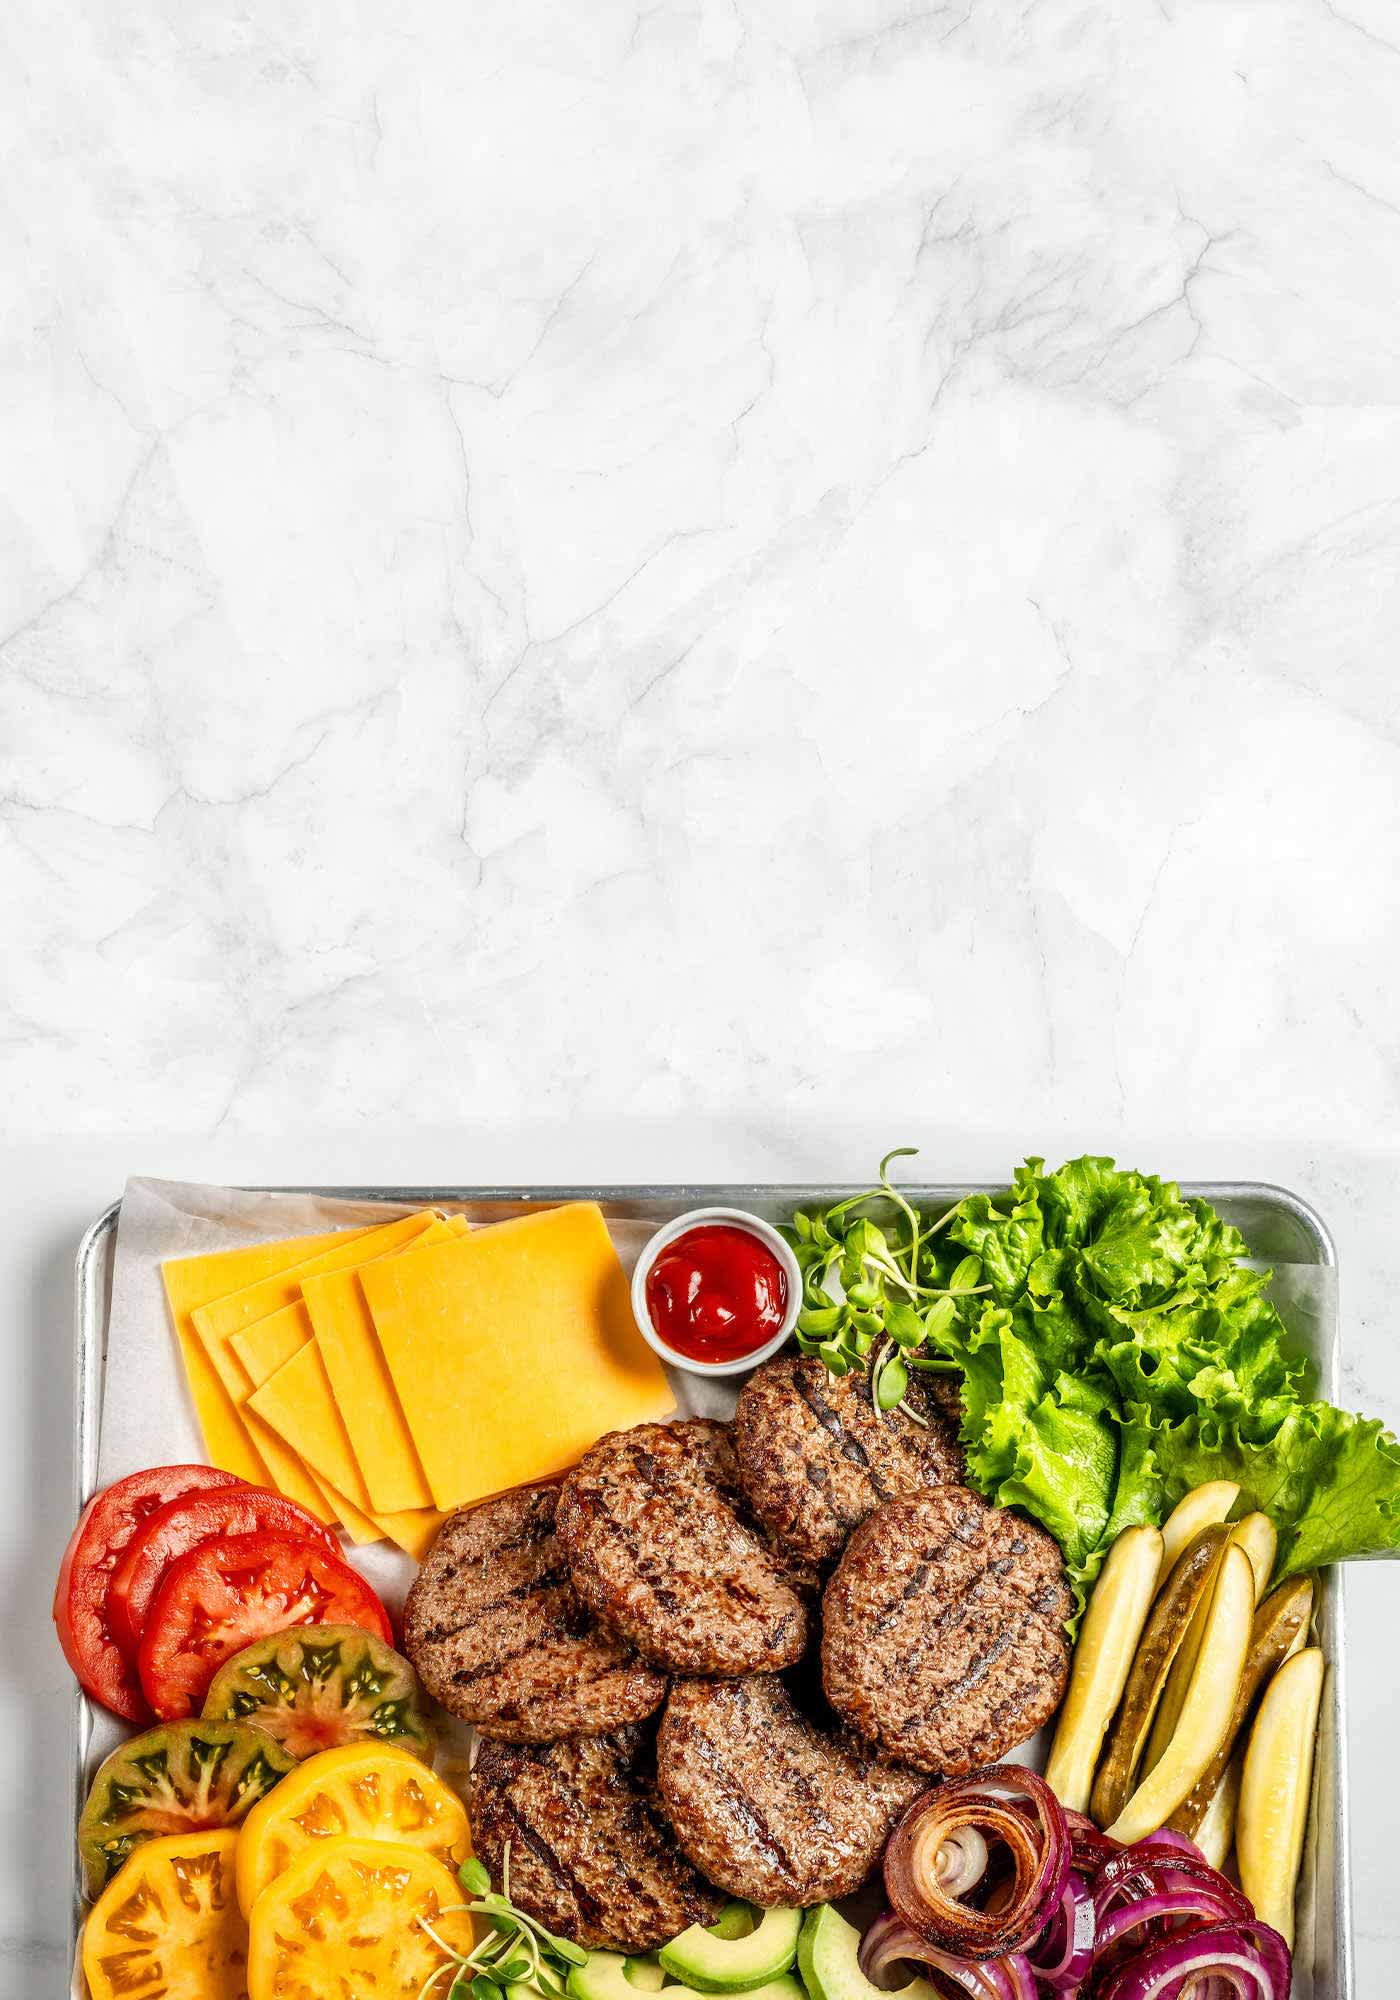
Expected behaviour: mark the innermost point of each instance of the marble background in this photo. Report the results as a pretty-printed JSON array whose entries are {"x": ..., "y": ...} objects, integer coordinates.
[{"x": 688, "y": 590}]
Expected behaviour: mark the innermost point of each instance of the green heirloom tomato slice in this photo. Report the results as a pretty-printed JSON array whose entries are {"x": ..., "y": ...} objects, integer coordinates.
[
  {"x": 316, "y": 1686},
  {"x": 172, "y": 1778}
]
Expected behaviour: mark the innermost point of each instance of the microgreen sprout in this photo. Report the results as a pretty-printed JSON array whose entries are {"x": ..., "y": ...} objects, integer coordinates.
[
  {"x": 867, "y": 1300},
  {"x": 515, "y": 1950}
]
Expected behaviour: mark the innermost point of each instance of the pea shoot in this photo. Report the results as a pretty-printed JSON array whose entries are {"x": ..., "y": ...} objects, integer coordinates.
[
  {"x": 515, "y": 1950},
  {"x": 872, "y": 1294}
]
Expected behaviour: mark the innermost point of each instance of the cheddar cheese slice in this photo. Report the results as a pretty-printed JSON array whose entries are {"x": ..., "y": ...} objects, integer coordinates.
[
  {"x": 292, "y": 1394},
  {"x": 294, "y": 1405},
  {"x": 364, "y": 1391},
  {"x": 287, "y": 1473},
  {"x": 218, "y": 1321},
  {"x": 215, "y": 1321},
  {"x": 192, "y": 1283},
  {"x": 359, "y": 1527},
  {"x": 513, "y": 1350},
  {"x": 414, "y": 1531},
  {"x": 245, "y": 1365}
]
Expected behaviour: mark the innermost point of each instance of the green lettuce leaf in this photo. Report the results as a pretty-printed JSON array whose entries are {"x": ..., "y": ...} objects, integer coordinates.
[
  {"x": 1066, "y": 1468},
  {"x": 1329, "y": 1482},
  {"x": 1036, "y": 1437},
  {"x": 1123, "y": 1353},
  {"x": 1006, "y": 1232}
]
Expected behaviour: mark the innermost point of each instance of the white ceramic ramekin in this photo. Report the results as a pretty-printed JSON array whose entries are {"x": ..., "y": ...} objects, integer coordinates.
[{"x": 738, "y": 1218}]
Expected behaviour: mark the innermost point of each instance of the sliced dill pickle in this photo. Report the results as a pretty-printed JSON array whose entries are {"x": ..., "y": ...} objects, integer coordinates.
[
  {"x": 316, "y": 1687},
  {"x": 1255, "y": 1535},
  {"x": 179, "y": 1777},
  {"x": 1279, "y": 1623},
  {"x": 1215, "y": 1835},
  {"x": 1206, "y": 1711},
  {"x": 1194, "y": 1511},
  {"x": 1275, "y": 1787},
  {"x": 1166, "y": 1628},
  {"x": 1103, "y": 1659}
]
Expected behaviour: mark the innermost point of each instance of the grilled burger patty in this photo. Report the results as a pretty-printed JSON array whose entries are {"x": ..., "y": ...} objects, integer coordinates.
[
  {"x": 659, "y": 1545},
  {"x": 500, "y": 1637},
  {"x": 943, "y": 1639},
  {"x": 591, "y": 1856},
  {"x": 766, "y": 1803},
  {"x": 815, "y": 1455}
]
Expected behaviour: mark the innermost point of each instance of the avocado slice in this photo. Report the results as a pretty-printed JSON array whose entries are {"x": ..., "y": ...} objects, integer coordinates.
[
  {"x": 606, "y": 1977},
  {"x": 735, "y": 1920},
  {"x": 718, "y": 1960},
  {"x": 827, "y": 1957},
  {"x": 645, "y": 1972}
]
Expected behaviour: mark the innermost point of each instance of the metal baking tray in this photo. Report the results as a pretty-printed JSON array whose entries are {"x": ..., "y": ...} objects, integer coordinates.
[{"x": 1280, "y": 1229}]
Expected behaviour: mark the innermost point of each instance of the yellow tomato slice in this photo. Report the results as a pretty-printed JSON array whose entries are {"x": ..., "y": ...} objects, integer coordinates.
[
  {"x": 347, "y": 1919},
  {"x": 367, "y": 1789},
  {"x": 168, "y": 1927}
]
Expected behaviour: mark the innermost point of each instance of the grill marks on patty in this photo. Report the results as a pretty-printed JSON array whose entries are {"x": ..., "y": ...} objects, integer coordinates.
[
  {"x": 501, "y": 1638},
  {"x": 942, "y": 1649},
  {"x": 815, "y": 1456},
  {"x": 944, "y": 1639},
  {"x": 660, "y": 1546},
  {"x": 591, "y": 1855},
  {"x": 768, "y": 1804}
]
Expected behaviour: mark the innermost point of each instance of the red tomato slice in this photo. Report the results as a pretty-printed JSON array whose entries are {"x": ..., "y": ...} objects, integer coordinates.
[
  {"x": 81, "y": 1612},
  {"x": 182, "y": 1526},
  {"x": 228, "y": 1592}
]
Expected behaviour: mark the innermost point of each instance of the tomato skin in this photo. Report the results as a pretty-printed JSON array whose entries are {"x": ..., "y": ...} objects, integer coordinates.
[
  {"x": 227, "y": 1592},
  {"x": 182, "y": 1526},
  {"x": 81, "y": 1600}
]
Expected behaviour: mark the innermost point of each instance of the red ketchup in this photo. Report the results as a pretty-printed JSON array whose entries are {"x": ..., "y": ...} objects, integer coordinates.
[{"x": 716, "y": 1293}]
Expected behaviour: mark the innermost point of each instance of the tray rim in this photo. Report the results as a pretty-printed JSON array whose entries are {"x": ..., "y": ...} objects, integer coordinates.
[{"x": 92, "y": 1276}]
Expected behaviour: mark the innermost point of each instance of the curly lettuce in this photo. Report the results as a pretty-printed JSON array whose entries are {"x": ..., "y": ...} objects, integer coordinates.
[{"x": 1118, "y": 1352}]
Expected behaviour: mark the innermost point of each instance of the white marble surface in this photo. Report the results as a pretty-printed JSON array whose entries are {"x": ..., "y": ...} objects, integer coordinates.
[{"x": 689, "y": 590}]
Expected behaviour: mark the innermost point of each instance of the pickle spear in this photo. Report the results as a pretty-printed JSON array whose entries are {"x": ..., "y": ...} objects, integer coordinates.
[
  {"x": 1103, "y": 1659},
  {"x": 1278, "y": 1625},
  {"x": 1206, "y": 1711},
  {"x": 1166, "y": 1628},
  {"x": 1255, "y": 1535},
  {"x": 1196, "y": 1510},
  {"x": 1275, "y": 1788},
  {"x": 1216, "y": 1833}
]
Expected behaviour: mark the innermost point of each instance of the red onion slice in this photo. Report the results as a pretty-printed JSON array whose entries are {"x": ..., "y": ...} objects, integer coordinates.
[
  {"x": 1277, "y": 1958},
  {"x": 1167, "y": 1837},
  {"x": 1218, "y": 1962},
  {"x": 961, "y": 1861},
  {"x": 1006, "y": 1808},
  {"x": 1088, "y": 1846},
  {"x": 1197, "y": 1905},
  {"x": 1065, "y": 1951},
  {"x": 890, "y": 1954},
  {"x": 998, "y": 1894},
  {"x": 1137, "y": 1872}
]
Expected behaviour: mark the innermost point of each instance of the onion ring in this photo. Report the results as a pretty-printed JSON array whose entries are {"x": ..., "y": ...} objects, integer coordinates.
[{"x": 1009, "y": 1809}]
